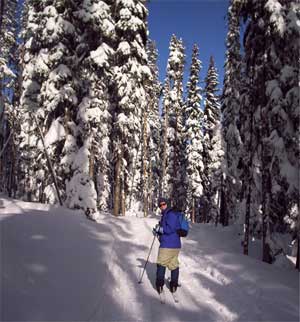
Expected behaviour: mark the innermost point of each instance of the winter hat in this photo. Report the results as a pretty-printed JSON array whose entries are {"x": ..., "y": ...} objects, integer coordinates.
[{"x": 162, "y": 200}]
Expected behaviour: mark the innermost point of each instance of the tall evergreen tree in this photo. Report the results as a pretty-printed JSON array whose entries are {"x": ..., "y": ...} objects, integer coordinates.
[
  {"x": 94, "y": 115},
  {"x": 74, "y": 101},
  {"x": 193, "y": 138},
  {"x": 266, "y": 107},
  {"x": 212, "y": 146},
  {"x": 49, "y": 101},
  {"x": 230, "y": 117},
  {"x": 8, "y": 76},
  {"x": 291, "y": 103},
  {"x": 154, "y": 90},
  {"x": 281, "y": 146},
  {"x": 250, "y": 118},
  {"x": 131, "y": 74},
  {"x": 31, "y": 86},
  {"x": 173, "y": 110},
  {"x": 150, "y": 133},
  {"x": 164, "y": 142}
]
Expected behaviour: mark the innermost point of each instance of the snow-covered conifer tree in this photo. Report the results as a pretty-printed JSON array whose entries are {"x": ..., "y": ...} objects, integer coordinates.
[
  {"x": 172, "y": 179},
  {"x": 154, "y": 90},
  {"x": 94, "y": 115},
  {"x": 131, "y": 75},
  {"x": 281, "y": 135},
  {"x": 164, "y": 144},
  {"x": 230, "y": 120},
  {"x": 249, "y": 117},
  {"x": 8, "y": 35},
  {"x": 289, "y": 76},
  {"x": 9, "y": 21},
  {"x": 193, "y": 138},
  {"x": 31, "y": 86},
  {"x": 212, "y": 147},
  {"x": 271, "y": 170},
  {"x": 49, "y": 100}
]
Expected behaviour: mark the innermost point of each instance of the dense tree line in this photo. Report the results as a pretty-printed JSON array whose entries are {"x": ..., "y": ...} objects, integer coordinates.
[
  {"x": 9, "y": 90},
  {"x": 261, "y": 122}
]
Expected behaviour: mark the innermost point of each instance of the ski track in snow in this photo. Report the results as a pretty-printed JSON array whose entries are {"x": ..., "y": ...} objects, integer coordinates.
[{"x": 59, "y": 266}]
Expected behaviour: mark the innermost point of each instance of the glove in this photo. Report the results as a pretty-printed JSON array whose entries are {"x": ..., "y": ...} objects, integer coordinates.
[{"x": 157, "y": 230}]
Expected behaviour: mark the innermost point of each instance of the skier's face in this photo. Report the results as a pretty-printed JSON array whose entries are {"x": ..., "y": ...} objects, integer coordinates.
[{"x": 162, "y": 206}]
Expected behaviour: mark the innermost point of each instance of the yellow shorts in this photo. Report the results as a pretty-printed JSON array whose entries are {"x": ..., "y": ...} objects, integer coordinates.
[{"x": 168, "y": 257}]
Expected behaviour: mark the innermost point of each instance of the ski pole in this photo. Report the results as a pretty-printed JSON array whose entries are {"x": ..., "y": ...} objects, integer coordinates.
[{"x": 140, "y": 281}]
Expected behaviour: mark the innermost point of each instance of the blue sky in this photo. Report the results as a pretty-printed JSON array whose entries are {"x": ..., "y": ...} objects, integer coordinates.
[{"x": 195, "y": 21}]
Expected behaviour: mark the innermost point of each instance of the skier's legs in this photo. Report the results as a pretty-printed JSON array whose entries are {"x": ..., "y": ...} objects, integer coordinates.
[
  {"x": 160, "y": 277},
  {"x": 174, "y": 279},
  {"x": 167, "y": 257}
]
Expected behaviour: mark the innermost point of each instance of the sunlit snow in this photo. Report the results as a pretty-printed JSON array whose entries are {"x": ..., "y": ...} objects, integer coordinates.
[{"x": 56, "y": 265}]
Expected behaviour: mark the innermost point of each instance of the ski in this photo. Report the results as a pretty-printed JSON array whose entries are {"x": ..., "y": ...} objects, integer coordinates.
[
  {"x": 175, "y": 297},
  {"x": 162, "y": 297}
]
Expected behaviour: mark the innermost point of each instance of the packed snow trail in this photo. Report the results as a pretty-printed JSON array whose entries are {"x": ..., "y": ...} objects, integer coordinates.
[{"x": 58, "y": 266}]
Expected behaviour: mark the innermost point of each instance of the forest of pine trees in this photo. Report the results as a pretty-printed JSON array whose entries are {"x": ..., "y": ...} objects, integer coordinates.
[{"x": 85, "y": 121}]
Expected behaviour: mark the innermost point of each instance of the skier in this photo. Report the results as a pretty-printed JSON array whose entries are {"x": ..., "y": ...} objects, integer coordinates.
[{"x": 170, "y": 245}]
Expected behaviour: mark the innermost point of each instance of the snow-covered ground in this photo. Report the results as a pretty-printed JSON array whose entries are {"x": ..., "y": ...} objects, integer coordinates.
[{"x": 58, "y": 266}]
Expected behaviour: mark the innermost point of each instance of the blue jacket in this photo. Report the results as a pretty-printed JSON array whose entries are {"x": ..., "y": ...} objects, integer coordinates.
[{"x": 170, "y": 223}]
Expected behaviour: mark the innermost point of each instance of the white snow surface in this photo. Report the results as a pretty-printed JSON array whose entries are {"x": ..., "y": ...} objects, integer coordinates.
[{"x": 56, "y": 265}]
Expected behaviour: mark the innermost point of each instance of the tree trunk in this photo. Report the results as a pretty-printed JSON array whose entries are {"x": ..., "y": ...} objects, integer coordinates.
[
  {"x": 117, "y": 186},
  {"x": 218, "y": 205},
  {"x": 11, "y": 184},
  {"x": 249, "y": 169},
  {"x": 265, "y": 163},
  {"x": 134, "y": 169},
  {"x": 224, "y": 213},
  {"x": 248, "y": 201},
  {"x": 6, "y": 143},
  {"x": 204, "y": 210},
  {"x": 145, "y": 168},
  {"x": 2, "y": 132},
  {"x": 247, "y": 222},
  {"x": 92, "y": 161},
  {"x": 14, "y": 171},
  {"x": 298, "y": 252},
  {"x": 193, "y": 210},
  {"x": 266, "y": 251},
  {"x": 150, "y": 185},
  {"x": 2, "y": 4},
  {"x": 123, "y": 196},
  {"x": 48, "y": 160}
]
